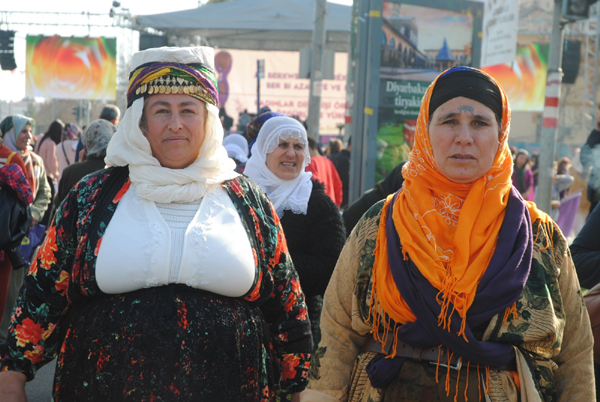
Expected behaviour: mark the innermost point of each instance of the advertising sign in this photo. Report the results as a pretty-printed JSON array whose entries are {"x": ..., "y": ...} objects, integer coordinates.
[
  {"x": 280, "y": 88},
  {"x": 419, "y": 39},
  {"x": 500, "y": 27},
  {"x": 524, "y": 80},
  {"x": 71, "y": 68}
]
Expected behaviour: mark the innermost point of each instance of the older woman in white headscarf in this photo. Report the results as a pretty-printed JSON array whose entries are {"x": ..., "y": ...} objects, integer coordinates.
[
  {"x": 95, "y": 140},
  {"x": 165, "y": 276},
  {"x": 311, "y": 221},
  {"x": 17, "y": 134},
  {"x": 237, "y": 148}
]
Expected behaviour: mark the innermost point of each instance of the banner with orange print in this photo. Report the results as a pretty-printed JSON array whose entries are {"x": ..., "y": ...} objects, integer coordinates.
[
  {"x": 71, "y": 68},
  {"x": 524, "y": 80}
]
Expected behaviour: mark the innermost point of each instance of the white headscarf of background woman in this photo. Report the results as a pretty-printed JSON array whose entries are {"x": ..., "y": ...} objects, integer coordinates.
[
  {"x": 284, "y": 194},
  {"x": 130, "y": 147}
]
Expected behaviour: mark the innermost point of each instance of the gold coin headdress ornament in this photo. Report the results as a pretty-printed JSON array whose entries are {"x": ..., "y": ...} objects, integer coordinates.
[{"x": 193, "y": 79}]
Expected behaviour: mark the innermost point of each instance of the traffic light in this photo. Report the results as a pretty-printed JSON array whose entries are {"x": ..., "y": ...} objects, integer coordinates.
[
  {"x": 77, "y": 113},
  {"x": 577, "y": 9},
  {"x": 7, "y": 52},
  {"x": 570, "y": 60}
]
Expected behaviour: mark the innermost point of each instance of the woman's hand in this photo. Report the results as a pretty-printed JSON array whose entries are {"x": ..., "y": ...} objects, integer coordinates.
[{"x": 12, "y": 386}]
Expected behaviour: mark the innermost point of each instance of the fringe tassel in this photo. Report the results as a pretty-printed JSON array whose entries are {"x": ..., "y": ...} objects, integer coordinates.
[
  {"x": 444, "y": 300},
  {"x": 515, "y": 376},
  {"x": 467, "y": 386},
  {"x": 549, "y": 228},
  {"x": 510, "y": 310},
  {"x": 437, "y": 368},
  {"x": 479, "y": 382},
  {"x": 447, "y": 384},
  {"x": 381, "y": 319},
  {"x": 457, "y": 384}
]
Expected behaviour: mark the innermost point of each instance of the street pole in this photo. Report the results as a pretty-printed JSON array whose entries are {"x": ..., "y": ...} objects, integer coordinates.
[
  {"x": 258, "y": 72},
  {"x": 550, "y": 115},
  {"x": 80, "y": 119},
  {"x": 316, "y": 70}
]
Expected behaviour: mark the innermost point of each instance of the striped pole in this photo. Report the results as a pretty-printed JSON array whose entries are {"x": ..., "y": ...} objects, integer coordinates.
[
  {"x": 552, "y": 103},
  {"x": 543, "y": 194}
]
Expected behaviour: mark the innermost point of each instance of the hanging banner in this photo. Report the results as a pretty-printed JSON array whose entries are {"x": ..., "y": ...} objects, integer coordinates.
[
  {"x": 71, "y": 68},
  {"x": 280, "y": 88},
  {"x": 500, "y": 28},
  {"x": 524, "y": 80}
]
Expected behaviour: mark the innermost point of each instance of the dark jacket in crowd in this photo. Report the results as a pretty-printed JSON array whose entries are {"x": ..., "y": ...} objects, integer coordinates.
[
  {"x": 586, "y": 251},
  {"x": 389, "y": 185},
  {"x": 341, "y": 162},
  {"x": 589, "y": 156},
  {"x": 315, "y": 241},
  {"x": 75, "y": 172}
]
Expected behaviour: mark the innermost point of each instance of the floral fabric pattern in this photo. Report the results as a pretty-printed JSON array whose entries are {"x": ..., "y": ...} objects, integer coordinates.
[
  {"x": 165, "y": 342},
  {"x": 549, "y": 329}
]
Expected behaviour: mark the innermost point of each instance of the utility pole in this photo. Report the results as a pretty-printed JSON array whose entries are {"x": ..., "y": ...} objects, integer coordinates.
[
  {"x": 550, "y": 115},
  {"x": 316, "y": 69}
]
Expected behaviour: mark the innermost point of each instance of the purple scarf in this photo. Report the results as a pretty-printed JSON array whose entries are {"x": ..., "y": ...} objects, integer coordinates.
[{"x": 500, "y": 286}]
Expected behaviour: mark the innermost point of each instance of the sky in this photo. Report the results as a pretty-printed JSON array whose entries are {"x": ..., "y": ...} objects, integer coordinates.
[{"x": 136, "y": 7}]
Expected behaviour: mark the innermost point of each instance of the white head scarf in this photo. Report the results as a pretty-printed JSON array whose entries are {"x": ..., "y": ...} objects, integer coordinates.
[
  {"x": 237, "y": 147},
  {"x": 11, "y": 128},
  {"x": 130, "y": 147},
  {"x": 284, "y": 194}
]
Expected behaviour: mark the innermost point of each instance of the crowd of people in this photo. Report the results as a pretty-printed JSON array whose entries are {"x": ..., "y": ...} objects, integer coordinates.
[{"x": 182, "y": 261}]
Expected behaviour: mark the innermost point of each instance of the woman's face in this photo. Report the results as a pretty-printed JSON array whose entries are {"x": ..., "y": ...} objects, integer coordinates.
[
  {"x": 175, "y": 128},
  {"x": 464, "y": 137},
  {"x": 287, "y": 159},
  {"x": 24, "y": 138},
  {"x": 521, "y": 160}
]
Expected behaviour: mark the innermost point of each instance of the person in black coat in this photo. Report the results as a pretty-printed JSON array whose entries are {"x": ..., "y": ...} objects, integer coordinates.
[
  {"x": 389, "y": 185},
  {"x": 315, "y": 241},
  {"x": 585, "y": 251},
  {"x": 590, "y": 158},
  {"x": 341, "y": 162},
  {"x": 95, "y": 140},
  {"x": 311, "y": 222}
]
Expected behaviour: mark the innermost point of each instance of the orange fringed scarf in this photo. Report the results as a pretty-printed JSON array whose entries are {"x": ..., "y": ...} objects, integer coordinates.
[{"x": 448, "y": 229}]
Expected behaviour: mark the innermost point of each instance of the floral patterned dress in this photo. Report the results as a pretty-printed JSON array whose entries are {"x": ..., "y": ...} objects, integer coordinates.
[
  {"x": 163, "y": 343},
  {"x": 550, "y": 332}
]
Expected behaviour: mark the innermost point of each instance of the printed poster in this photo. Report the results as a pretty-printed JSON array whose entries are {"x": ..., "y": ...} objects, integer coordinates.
[
  {"x": 280, "y": 89},
  {"x": 417, "y": 43},
  {"x": 71, "y": 68}
]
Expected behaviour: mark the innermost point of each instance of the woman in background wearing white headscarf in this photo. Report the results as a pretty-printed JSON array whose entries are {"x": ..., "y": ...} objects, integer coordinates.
[
  {"x": 311, "y": 222},
  {"x": 17, "y": 131},
  {"x": 237, "y": 149},
  {"x": 17, "y": 134},
  {"x": 95, "y": 140},
  {"x": 165, "y": 276}
]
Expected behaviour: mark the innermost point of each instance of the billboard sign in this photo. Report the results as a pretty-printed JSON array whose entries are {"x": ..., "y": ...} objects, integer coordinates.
[
  {"x": 281, "y": 89},
  {"x": 71, "y": 68},
  {"x": 419, "y": 40}
]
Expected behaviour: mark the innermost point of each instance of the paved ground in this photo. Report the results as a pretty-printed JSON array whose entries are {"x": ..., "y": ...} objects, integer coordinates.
[{"x": 40, "y": 389}]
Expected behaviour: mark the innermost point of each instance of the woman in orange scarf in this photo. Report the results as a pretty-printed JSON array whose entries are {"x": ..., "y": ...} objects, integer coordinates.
[{"x": 455, "y": 288}]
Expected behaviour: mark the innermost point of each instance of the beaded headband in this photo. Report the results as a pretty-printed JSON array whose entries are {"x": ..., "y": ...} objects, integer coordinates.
[{"x": 195, "y": 80}]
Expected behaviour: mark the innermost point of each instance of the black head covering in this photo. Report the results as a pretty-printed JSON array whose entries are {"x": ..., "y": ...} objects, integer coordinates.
[{"x": 469, "y": 83}]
